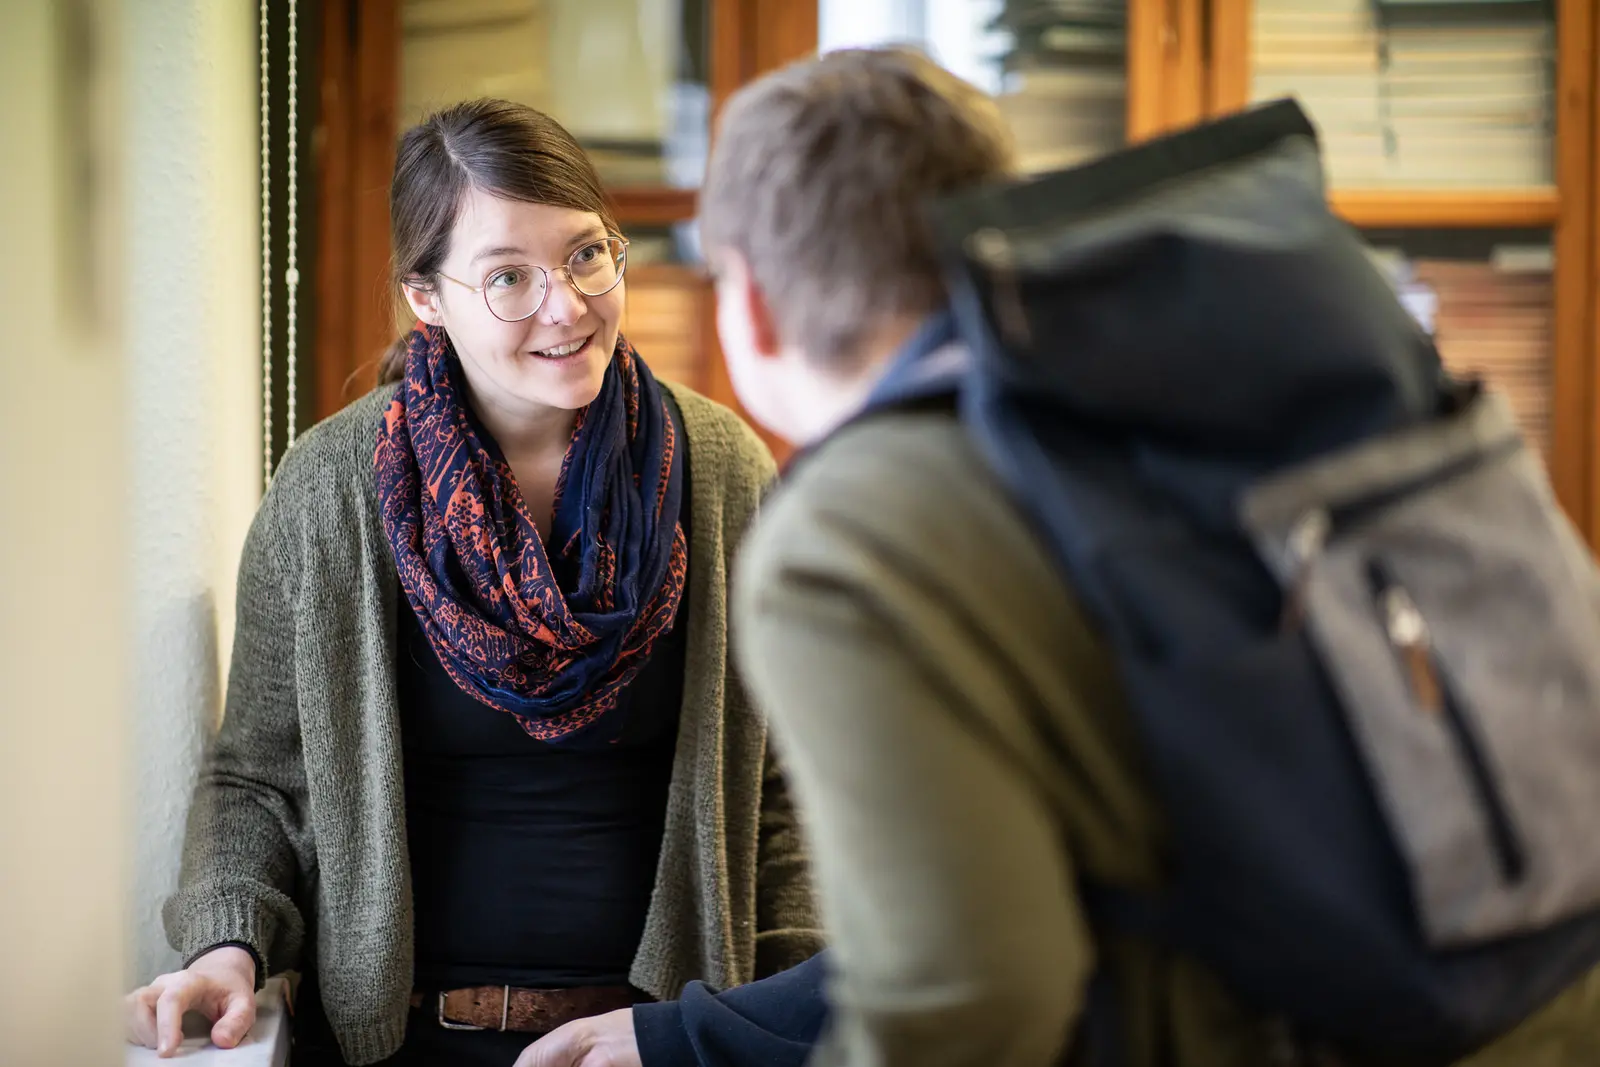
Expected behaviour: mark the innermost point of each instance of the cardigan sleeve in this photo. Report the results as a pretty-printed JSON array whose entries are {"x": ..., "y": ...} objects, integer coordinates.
[
  {"x": 247, "y": 842},
  {"x": 788, "y": 931}
]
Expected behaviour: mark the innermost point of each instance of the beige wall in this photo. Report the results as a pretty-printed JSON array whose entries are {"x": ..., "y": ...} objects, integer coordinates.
[
  {"x": 63, "y": 571},
  {"x": 129, "y": 471},
  {"x": 194, "y": 428}
]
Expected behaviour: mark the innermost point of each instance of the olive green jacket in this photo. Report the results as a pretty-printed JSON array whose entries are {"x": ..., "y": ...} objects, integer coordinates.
[{"x": 962, "y": 753}]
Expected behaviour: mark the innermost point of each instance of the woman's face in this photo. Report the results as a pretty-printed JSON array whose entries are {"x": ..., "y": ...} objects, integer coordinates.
[{"x": 520, "y": 367}]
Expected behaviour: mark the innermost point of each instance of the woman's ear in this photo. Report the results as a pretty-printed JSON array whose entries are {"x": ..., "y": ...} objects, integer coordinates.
[{"x": 423, "y": 300}]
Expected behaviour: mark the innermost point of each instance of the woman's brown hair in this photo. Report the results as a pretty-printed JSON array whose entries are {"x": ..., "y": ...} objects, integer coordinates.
[{"x": 507, "y": 149}]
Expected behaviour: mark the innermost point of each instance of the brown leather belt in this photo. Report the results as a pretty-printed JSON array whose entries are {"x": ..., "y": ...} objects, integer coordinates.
[{"x": 524, "y": 1011}]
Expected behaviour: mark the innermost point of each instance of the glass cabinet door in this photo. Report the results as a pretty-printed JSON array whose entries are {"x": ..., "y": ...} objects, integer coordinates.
[
  {"x": 1487, "y": 298},
  {"x": 1447, "y": 94},
  {"x": 629, "y": 78},
  {"x": 1057, "y": 67}
]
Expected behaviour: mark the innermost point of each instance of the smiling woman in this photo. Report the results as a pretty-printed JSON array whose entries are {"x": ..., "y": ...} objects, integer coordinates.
[
  {"x": 483, "y": 736},
  {"x": 531, "y": 264}
]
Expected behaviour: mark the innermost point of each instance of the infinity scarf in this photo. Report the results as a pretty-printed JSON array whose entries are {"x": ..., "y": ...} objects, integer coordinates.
[{"x": 551, "y": 636}]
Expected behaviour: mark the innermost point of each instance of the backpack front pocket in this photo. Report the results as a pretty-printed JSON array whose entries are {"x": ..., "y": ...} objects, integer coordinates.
[{"x": 1456, "y": 616}]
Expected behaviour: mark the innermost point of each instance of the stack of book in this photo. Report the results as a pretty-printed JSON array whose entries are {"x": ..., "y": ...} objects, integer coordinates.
[
  {"x": 1451, "y": 100},
  {"x": 1498, "y": 323},
  {"x": 1471, "y": 103},
  {"x": 1065, "y": 82},
  {"x": 667, "y": 319},
  {"x": 1490, "y": 319},
  {"x": 1326, "y": 54}
]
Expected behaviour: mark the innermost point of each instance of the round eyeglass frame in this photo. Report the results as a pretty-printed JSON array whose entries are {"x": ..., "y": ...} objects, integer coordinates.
[{"x": 549, "y": 279}]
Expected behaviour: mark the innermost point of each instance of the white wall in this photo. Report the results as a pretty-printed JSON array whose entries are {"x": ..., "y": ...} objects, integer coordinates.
[
  {"x": 62, "y": 571},
  {"x": 193, "y": 411}
]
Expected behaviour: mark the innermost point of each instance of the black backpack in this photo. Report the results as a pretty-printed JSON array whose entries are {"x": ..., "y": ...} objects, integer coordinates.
[{"x": 1359, "y": 639}]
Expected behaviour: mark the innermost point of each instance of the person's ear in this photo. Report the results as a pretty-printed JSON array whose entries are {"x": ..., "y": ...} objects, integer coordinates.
[
  {"x": 423, "y": 298},
  {"x": 743, "y": 307}
]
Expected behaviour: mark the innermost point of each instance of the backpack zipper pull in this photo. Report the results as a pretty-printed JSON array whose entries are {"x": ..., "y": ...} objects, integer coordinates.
[
  {"x": 991, "y": 248},
  {"x": 1305, "y": 542},
  {"x": 1408, "y": 633}
]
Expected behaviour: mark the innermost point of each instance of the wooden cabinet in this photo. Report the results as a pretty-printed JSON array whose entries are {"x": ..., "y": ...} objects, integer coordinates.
[
  {"x": 1466, "y": 131},
  {"x": 1465, "y": 150},
  {"x": 1459, "y": 135}
]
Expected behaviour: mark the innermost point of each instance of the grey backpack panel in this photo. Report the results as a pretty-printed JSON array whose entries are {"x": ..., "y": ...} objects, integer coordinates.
[{"x": 1457, "y": 614}]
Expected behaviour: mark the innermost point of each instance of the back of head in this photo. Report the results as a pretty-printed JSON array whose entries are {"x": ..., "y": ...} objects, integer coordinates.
[{"x": 819, "y": 178}]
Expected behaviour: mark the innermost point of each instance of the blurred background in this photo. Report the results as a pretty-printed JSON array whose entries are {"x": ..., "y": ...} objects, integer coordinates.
[{"x": 193, "y": 207}]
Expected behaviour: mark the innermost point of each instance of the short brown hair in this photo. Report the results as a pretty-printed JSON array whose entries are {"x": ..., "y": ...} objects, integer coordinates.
[
  {"x": 819, "y": 177},
  {"x": 497, "y": 146}
]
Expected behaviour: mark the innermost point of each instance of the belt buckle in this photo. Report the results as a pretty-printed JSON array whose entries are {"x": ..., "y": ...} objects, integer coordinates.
[{"x": 505, "y": 1010}]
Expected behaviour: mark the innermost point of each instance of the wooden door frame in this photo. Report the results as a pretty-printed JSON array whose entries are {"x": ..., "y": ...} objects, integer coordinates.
[
  {"x": 1168, "y": 46},
  {"x": 1227, "y": 75},
  {"x": 355, "y": 147},
  {"x": 1575, "y": 361},
  {"x": 1589, "y": 294},
  {"x": 749, "y": 38}
]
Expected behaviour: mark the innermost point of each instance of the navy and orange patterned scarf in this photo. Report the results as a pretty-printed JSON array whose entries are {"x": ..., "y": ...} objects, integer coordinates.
[{"x": 550, "y": 636}]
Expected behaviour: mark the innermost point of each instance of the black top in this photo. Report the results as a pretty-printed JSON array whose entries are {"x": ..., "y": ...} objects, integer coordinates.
[{"x": 532, "y": 864}]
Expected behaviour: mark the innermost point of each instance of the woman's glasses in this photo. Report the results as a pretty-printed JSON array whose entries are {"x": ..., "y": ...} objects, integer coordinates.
[{"x": 515, "y": 293}]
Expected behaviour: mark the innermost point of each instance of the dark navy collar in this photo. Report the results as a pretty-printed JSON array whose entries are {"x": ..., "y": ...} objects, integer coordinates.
[{"x": 911, "y": 373}]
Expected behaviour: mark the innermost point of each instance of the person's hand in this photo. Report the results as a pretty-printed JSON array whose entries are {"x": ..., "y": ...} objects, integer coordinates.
[
  {"x": 600, "y": 1041},
  {"x": 221, "y": 985}
]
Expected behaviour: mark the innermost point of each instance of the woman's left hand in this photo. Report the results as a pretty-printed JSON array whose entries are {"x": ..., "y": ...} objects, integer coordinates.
[{"x": 600, "y": 1041}]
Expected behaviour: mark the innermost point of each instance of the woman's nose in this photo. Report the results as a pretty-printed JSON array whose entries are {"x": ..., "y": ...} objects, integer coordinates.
[{"x": 563, "y": 304}]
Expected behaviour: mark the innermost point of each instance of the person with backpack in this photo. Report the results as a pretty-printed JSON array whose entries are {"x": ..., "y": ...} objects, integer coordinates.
[{"x": 1173, "y": 663}]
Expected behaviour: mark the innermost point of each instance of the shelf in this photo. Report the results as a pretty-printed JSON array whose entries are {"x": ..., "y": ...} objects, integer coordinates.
[
  {"x": 1447, "y": 209},
  {"x": 1368, "y": 208},
  {"x": 669, "y": 275},
  {"x": 652, "y": 205}
]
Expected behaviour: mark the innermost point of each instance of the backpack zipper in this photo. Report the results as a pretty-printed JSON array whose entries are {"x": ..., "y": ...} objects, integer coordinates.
[{"x": 1409, "y": 636}]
